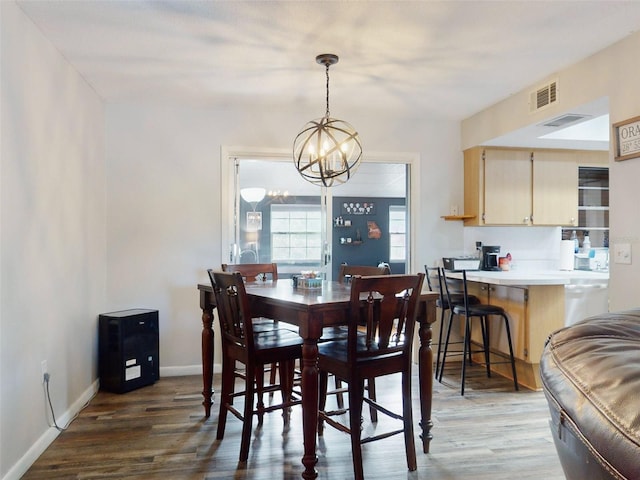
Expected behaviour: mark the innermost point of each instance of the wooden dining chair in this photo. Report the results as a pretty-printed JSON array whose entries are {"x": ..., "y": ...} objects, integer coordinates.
[
  {"x": 347, "y": 271},
  {"x": 240, "y": 343},
  {"x": 253, "y": 273},
  {"x": 387, "y": 306},
  {"x": 345, "y": 274}
]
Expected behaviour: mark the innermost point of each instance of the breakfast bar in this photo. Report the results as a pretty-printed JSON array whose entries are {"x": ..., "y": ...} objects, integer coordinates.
[{"x": 535, "y": 304}]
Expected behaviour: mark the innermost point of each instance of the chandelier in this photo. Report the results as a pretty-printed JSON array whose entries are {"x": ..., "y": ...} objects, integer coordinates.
[{"x": 327, "y": 151}]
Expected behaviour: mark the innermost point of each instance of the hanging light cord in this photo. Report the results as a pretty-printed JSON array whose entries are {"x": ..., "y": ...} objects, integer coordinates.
[{"x": 327, "y": 73}]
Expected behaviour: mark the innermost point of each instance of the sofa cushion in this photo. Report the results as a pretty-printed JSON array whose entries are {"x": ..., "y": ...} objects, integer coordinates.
[{"x": 591, "y": 377}]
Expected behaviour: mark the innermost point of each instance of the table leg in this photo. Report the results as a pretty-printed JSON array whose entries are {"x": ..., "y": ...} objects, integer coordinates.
[
  {"x": 206, "y": 304},
  {"x": 425, "y": 371},
  {"x": 310, "y": 406}
]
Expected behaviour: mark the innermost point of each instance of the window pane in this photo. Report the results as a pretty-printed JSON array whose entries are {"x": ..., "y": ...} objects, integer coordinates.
[
  {"x": 296, "y": 234},
  {"x": 397, "y": 233}
]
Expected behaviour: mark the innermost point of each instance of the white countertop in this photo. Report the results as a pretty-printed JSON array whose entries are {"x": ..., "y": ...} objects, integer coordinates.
[{"x": 546, "y": 277}]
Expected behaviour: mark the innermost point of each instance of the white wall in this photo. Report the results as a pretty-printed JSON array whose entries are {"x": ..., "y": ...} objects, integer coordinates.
[
  {"x": 163, "y": 191},
  {"x": 612, "y": 73},
  {"x": 52, "y": 242}
]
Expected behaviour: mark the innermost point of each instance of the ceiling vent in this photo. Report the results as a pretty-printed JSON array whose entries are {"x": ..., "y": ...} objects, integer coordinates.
[
  {"x": 564, "y": 120},
  {"x": 543, "y": 97}
]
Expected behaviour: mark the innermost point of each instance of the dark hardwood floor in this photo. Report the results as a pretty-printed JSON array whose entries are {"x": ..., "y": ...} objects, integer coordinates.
[{"x": 159, "y": 432}]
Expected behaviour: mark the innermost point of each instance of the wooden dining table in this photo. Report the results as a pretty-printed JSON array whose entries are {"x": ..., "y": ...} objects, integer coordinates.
[{"x": 311, "y": 310}]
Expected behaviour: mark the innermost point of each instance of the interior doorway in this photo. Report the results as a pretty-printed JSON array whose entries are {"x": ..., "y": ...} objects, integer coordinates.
[{"x": 277, "y": 216}]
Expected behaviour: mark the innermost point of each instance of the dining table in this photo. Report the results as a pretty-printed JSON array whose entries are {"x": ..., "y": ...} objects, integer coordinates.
[{"x": 312, "y": 310}]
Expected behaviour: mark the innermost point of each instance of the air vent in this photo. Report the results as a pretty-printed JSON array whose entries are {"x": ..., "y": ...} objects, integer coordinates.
[
  {"x": 543, "y": 97},
  {"x": 564, "y": 120}
]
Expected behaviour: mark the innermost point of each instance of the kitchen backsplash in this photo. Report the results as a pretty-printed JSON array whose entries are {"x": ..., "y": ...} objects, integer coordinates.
[{"x": 531, "y": 248}]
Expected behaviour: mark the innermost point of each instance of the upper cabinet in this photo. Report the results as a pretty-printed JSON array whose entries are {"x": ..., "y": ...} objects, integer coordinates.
[{"x": 511, "y": 186}]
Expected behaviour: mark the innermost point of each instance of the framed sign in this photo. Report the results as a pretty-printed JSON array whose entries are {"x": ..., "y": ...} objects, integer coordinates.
[{"x": 626, "y": 135}]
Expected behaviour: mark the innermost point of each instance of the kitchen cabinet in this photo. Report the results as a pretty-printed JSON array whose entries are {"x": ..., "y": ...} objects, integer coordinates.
[
  {"x": 512, "y": 186},
  {"x": 555, "y": 188},
  {"x": 497, "y": 186},
  {"x": 534, "y": 312}
]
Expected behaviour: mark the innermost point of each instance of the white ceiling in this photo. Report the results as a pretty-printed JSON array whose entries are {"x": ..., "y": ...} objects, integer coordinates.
[
  {"x": 437, "y": 59},
  {"x": 448, "y": 58}
]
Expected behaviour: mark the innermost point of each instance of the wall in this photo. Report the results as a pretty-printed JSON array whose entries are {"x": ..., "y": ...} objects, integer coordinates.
[
  {"x": 611, "y": 73},
  {"x": 163, "y": 194},
  {"x": 52, "y": 239},
  {"x": 371, "y": 251}
]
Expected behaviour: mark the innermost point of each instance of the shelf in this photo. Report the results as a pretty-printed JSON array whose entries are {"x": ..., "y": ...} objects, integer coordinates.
[
  {"x": 351, "y": 243},
  {"x": 458, "y": 217}
]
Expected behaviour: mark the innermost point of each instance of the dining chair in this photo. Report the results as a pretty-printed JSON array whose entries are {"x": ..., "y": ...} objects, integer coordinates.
[
  {"x": 387, "y": 306},
  {"x": 347, "y": 271},
  {"x": 240, "y": 343},
  {"x": 483, "y": 311},
  {"x": 345, "y": 274},
  {"x": 253, "y": 273},
  {"x": 434, "y": 283}
]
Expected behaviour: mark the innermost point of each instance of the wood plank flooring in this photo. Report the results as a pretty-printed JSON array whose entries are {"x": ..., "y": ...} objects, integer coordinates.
[{"x": 159, "y": 432}]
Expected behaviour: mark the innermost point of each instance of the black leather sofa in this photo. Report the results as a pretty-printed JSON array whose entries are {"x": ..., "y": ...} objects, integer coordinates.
[{"x": 591, "y": 378}]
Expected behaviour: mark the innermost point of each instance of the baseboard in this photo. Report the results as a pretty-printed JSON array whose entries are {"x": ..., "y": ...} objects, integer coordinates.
[
  {"x": 184, "y": 371},
  {"x": 47, "y": 438}
]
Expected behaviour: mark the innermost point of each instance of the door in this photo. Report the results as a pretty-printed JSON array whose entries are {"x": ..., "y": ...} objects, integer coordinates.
[{"x": 293, "y": 222}]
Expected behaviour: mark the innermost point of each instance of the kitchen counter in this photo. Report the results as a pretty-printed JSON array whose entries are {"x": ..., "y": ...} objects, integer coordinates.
[
  {"x": 524, "y": 278},
  {"x": 535, "y": 305}
]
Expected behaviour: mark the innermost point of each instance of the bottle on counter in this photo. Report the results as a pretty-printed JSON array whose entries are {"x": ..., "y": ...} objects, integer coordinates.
[
  {"x": 576, "y": 244},
  {"x": 586, "y": 243}
]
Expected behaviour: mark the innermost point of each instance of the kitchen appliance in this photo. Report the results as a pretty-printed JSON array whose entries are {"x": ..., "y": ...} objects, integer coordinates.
[
  {"x": 489, "y": 258},
  {"x": 457, "y": 264}
]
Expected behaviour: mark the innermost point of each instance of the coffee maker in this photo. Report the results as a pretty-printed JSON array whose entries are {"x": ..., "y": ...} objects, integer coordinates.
[{"x": 490, "y": 256}]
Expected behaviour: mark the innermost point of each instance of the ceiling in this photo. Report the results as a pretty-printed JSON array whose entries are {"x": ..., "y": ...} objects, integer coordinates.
[
  {"x": 419, "y": 59},
  {"x": 450, "y": 59}
]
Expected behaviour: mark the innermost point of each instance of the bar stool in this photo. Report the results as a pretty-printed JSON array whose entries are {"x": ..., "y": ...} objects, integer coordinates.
[{"x": 483, "y": 311}]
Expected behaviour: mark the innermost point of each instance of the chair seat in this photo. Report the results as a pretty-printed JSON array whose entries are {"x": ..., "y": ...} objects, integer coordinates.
[
  {"x": 334, "y": 333},
  {"x": 479, "y": 310},
  {"x": 456, "y": 299},
  {"x": 263, "y": 324},
  {"x": 276, "y": 339},
  {"x": 337, "y": 350}
]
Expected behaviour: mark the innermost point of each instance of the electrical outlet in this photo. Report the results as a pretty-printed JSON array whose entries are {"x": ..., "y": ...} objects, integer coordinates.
[
  {"x": 622, "y": 253},
  {"x": 45, "y": 369}
]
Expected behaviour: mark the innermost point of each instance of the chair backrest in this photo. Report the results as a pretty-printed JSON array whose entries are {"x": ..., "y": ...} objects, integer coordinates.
[
  {"x": 362, "y": 270},
  {"x": 455, "y": 290},
  {"x": 252, "y": 272},
  {"x": 434, "y": 282},
  {"x": 233, "y": 308},
  {"x": 389, "y": 314}
]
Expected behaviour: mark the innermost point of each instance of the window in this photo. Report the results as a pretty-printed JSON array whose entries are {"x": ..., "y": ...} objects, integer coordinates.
[
  {"x": 296, "y": 233},
  {"x": 397, "y": 233}
]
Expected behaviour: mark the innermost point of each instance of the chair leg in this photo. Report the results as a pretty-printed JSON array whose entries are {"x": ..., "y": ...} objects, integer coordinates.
[
  {"x": 226, "y": 396},
  {"x": 272, "y": 377},
  {"x": 339, "y": 396},
  {"x": 442, "y": 310},
  {"x": 371, "y": 389},
  {"x": 323, "y": 379},
  {"x": 484, "y": 324},
  {"x": 446, "y": 347},
  {"x": 513, "y": 360},
  {"x": 356, "y": 393},
  {"x": 248, "y": 413},
  {"x": 467, "y": 334},
  {"x": 286, "y": 371},
  {"x": 407, "y": 417},
  {"x": 259, "y": 376}
]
